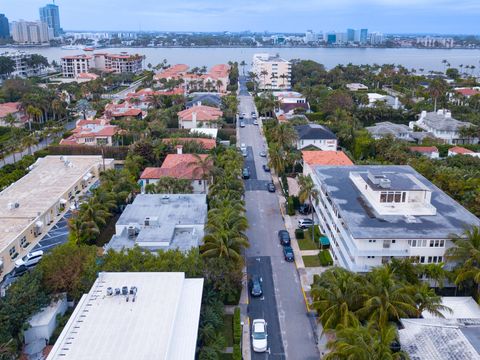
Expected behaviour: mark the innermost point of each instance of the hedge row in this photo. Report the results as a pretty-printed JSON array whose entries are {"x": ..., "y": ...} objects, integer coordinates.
[{"x": 237, "y": 327}]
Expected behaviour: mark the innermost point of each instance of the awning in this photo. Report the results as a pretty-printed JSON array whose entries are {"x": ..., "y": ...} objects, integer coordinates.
[
  {"x": 324, "y": 241},
  {"x": 39, "y": 224},
  {"x": 63, "y": 201}
]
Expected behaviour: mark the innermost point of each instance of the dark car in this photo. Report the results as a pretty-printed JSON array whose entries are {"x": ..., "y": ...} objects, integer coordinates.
[
  {"x": 19, "y": 271},
  {"x": 305, "y": 209},
  {"x": 246, "y": 173},
  {"x": 256, "y": 286},
  {"x": 242, "y": 124},
  {"x": 284, "y": 237},
  {"x": 271, "y": 187},
  {"x": 266, "y": 168},
  {"x": 288, "y": 254}
]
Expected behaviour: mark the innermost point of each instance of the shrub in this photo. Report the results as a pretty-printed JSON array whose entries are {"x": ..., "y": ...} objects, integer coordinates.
[
  {"x": 296, "y": 202},
  {"x": 237, "y": 352},
  {"x": 299, "y": 234},
  {"x": 233, "y": 139},
  {"x": 237, "y": 327},
  {"x": 290, "y": 206},
  {"x": 284, "y": 183},
  {"x": 325, "y": 258}
]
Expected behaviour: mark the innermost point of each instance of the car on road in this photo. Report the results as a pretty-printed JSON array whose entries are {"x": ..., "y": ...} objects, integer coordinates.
[
  {"x": 284, "y": 237},
  {"x": 19, "y": 271},
  {"x": 259, "y": 335},
  {"x": 242, "y": 124},
  {"x": 240, "y": 117},
  {"x": 255, "y": 122},
  {"x": 263, "y": 154},
  {"x": 288, "y": 254},
  {"x": 244, "y": 153},
  {"x": 271, "y": 187},
  {"x": 305, "y": 223},
  {"x": 246, "y": 173},
  {"x": 266, "y": 168},
  {"x": 256, "y": 286},
  {"x": 244, "y": 114},
  {"x": 305, "y": 209},
  {"x": 31, "y": 259}
]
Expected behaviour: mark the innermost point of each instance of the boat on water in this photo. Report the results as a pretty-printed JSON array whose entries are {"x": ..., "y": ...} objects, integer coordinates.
[
  {"x": 89, "y": 48},
  {"x": 72, "y": 47}
]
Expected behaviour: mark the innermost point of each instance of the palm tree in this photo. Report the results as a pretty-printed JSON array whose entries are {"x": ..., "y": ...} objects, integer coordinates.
[
  {"x": 308, "y": 191},
  {"x": 466, "y": 254},
  {"x": 386, "y": 297},
  {"x": 222, "y": 244},
  {"x": 203, "y": 167},
  {"x": 437, "y": 88},
  {"x": 33, "y": 113},
  {"x": 243, "y": 64},
  {"x": 426, "y": 300},
  {"x": 285, "y": 135},
  {"x": 155, "y": 101},
  {"x": 170, "y": 185},
  {"x": 219, "y": 85},
  {"x": 335, "y": 298},
  {"x": 263, "y": 74},
  {"x": 29, "y": 141},
  {"x": 276, "y": 156}
]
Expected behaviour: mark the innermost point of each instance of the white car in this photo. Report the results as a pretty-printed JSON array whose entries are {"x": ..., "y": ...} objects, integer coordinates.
[
  {"x": 305, "y": 223},
  {"x": 30, "y": 259},
  {"x": 259, "y": 335}
]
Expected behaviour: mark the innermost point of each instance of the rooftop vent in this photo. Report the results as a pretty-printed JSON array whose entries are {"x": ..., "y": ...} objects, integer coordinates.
[
  {"x": 375, "y": 178},
  {"x": 385, "y": 183},
  {"x": 117, "y": 291},
  {"x": 109, "y": 291},
  {"x": 124, "y": 290}
]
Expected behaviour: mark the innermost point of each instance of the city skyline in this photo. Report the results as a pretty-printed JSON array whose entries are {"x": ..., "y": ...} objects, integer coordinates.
[{"x": 422, "y": 16}]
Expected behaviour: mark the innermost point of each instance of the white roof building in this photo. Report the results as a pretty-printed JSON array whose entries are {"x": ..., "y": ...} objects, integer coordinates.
[{"x": 141, "y": 316}]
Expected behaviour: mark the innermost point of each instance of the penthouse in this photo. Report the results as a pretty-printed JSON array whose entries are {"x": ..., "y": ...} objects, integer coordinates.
[{"x": 39, "y": 199}]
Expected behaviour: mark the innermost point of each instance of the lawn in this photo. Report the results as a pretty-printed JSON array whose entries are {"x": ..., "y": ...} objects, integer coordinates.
[
  {"x": 228, "y": 329},
  {"x": 307, "y": 244},
  {"x": 311, "y": 261},
  {"x": 225, "y": 356}
]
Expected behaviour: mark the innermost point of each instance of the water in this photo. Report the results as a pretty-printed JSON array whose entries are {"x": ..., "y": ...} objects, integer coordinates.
[{"x": 330, "y": 57}]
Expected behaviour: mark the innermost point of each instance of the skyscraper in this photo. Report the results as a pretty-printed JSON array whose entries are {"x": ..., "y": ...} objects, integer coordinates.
[
  {"x": 30, "y": 32},
  {"x": 363, "y": 36},
  {"x": 50, "y": 15},
  {"x": 350, "y": 35},
  {"x": 4, "y": 30}
]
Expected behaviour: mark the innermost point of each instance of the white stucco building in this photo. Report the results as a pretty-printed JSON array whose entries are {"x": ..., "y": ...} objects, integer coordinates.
[
  {"x": 273, "y": 72},
  {"x": 316, "y": 137}
]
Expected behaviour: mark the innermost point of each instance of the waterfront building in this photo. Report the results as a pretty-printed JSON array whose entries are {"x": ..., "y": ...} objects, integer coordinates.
[
  {"x": 22, "y": 67},
  {"x": 50, "y": 15},
  {"x": 310, "y": 37},
  {"x": 74, "y": 65},
  {"x": 350, "y": 35},
  {"x": 372, "y": 214},
  {"x": 273, "y": 72},
  {"x": 30, "y": 32},
  {"x": 433, "y": 42},
  {"x": 4, "y": 27},
  {"x": 376, "y": 38},
  {"x": 32, "y": 205},
  {"x": 363, "y": 36},
  {"x": 134, "y": 315}
]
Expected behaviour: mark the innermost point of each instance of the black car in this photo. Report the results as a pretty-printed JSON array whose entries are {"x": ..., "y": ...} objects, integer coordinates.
[
  {"x": 305, "y": 209},
  {"x": 266, "y": 168},
  {"x": 288, "y": 254},
  {"x": 284, "y": 237},
  {"x": 19, "y": 271},
  {"x": 271, "y": 187},
  {"x": 246, "y": 173},
  {"x": 256, "y": 286}
]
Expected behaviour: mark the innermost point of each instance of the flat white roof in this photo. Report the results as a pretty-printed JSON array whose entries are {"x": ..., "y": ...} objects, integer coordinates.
[
  {"x": 39, "y": 190},
  {"x": 463, "y": 307},
  {"x": 161, "y": 324}
]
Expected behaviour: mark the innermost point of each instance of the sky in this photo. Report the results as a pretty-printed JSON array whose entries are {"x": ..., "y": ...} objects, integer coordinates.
[{"x": 388, "y": 16}]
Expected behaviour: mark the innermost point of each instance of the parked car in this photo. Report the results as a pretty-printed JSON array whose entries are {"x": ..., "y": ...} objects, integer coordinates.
[
  {"x": 271, "y": 187},
  {"x": 259, "y": 335},
  {"x": 240, "y": 117},
  {"x": 255, "y": 122},
  {"x": 246, "y": 173},
  {"x": 288, "y": 254},
  {"x": 266, "y": 168},
  {"x": 256, "y": 286},
  {"x": 263, "y": 154},
  {"x": 31, "y": 259},
  {"x": 305, "y": 223},
  {"x": 242, "y": 124},
  {"x": 244, "y": 153},
  {"x": 19, "y": 271},
  {"x": 305, "y": 209},
  {"x": 284, "y": 237}
]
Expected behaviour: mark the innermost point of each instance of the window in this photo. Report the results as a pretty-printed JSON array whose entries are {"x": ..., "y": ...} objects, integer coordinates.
[
  {"x": 383, "y": 197},
  {"x": 13, "y": 252},
  {"x": 392, "y": 196},
  {"x": 404, "y": 194},
  {"x": 442, "y": 243},
  {"x": 371, "y": 257},
  {"x": 422, "y": 259},
  {"x": 23, "y": 242},
  {"x": 370, "y": 241},
  {"x": 393, "y": 241}
]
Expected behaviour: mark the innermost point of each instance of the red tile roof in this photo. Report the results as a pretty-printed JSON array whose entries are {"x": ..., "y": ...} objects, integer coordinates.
[
  {"x": 204, "y": 113},
  {"x": 9, "y": 108},
  {"x": 468, "y": 92},
  {"x": 177, "y": 166},
  {"x": 424, "y": 149},
  {"x": 172, "y": 72},
  {"x": 460, "y": 150},
  {"x": 208, "y": 144},
  {"x": 315, "y": 157}
]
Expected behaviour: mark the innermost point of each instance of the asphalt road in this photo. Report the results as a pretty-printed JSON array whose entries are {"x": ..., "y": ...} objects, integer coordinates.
[{"x": 284, "y": 303}]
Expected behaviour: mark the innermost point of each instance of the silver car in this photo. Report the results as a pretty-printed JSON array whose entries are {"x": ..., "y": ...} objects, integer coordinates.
[{"x": 259, "y": 335}]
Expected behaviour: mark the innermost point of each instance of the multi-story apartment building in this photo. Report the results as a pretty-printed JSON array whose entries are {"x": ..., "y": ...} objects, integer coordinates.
[
  {"x": 32, "y": 205},
  {"x": 431, "y": 42},
  {"x": 30, "y": 32},
  {"x": 4, "y": 27},
  {"x": 273, "y": 72},
  {"x": 74, "y": 65},
  {"x": 372, "y": 214},
  {"x": 50, "y": 15},
  {"x": 22, "y": 68}
]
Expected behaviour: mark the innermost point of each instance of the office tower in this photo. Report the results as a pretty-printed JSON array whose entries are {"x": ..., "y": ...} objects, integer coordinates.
[
  {"x": 363, "y": 36},
  {"x": 50, "y": 15},
  {"x": 4, "y": 29},
  {"x": 350, "y": 35}
]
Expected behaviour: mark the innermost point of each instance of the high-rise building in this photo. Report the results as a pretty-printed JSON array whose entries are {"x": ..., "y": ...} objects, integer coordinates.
[
  {"x": 30, "y": 32},
  {"x": 273, "y": 72},
  {"x": 310, "y": 37},
  {"x": 50, "y": 15},
  {"x": 363, "y": 36},
  {"x": 331, "y": 38},
  {"x": 4, "y": 29},
  {"x": 350, "y": 35}
]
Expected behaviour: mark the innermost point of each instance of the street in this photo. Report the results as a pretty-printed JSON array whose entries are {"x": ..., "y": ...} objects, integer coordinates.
[{"x": 283, "y": 302}]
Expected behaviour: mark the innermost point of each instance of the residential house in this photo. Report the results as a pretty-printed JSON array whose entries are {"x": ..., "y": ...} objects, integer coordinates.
[
  {"x": 398, "y": 131},
  {"x": 207, "y": 144},
  {"x": 142, "y": 98},
  {"x": 74, "y": 65},
  {"x": 315, "y": 136},
  {"x": 458, "y": 150},
  {"x": 444, "y": 127},
  {"x": 123, "y": 111},
  {"x": 372, "y": 214},
  {"x": 13, "y": 108},
  {"x": 428, "y": 151},
  {"x": 92, "y": 132},
  {"x": 199, "y": 116},
  {"x": 291, "y": 100},
  {"x": 209, "y": 99}
]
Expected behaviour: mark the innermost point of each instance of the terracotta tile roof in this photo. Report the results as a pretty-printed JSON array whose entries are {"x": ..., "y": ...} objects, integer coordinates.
[
  {"x": 9, "y": 108},
  {"x": 90, "y": 128},
  {"x": 177, "y": 166},
  {"x": 315, "y": 157},
  {"x": 208, "y": 144},
  {"x": 460, "y": 150},
  {"x": 172, "y": 72},
  {"x": 424, "y": 149},
  {"x": 204, "y": 113},
  {"x": 468, "y": 92}
]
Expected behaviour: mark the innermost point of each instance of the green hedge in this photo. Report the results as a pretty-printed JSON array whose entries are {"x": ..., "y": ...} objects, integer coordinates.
[
  {"x": 237, "y": 327},
  {"x": 299, "y": 234},
  {"x": 237, "y": 352},
  {"x": 290, "y": 206},
  {"x": 325, "y": 258}
]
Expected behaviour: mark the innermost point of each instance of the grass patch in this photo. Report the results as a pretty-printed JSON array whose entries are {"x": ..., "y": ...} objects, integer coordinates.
[
  {"x": 325, "y": 258},
  {"x": 225, "y": 356},
  {"x": 228, "y": 329},
  {"x": 307, "y": 244},
  {"x": 311, "y": 261}
]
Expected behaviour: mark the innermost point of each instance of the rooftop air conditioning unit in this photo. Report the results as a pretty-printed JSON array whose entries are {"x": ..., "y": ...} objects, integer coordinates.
[
  {"x": 109, "y": 291},
  {"x": 124, "y": 290},
  {"x": 131, "y": 231},
  {"x": 147, "y": 221},
  {"x": 385, "y": 183},
  {"x": 117, "y": 291}
]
